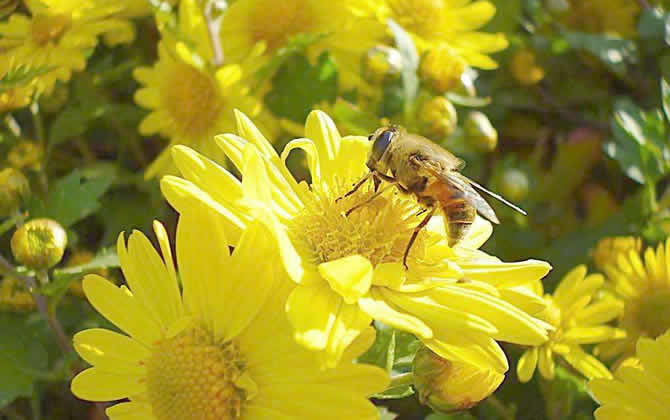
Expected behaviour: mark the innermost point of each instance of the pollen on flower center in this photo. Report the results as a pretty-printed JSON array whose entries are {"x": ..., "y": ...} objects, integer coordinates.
[
  {"x": 419, "y": 16},
  {"x": 48, "y": 28},
  {"x": 650, "y": 313},
  {"x": 277, "y": 23},
  {"x": 192, "y": 99},
  {"x": 379, "y": 230},
  {"x": 192, "y": 377}
]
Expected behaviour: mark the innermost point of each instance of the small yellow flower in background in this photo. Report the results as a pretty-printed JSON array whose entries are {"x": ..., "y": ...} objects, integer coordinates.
[
  {"x": 440, "y": 23},
  {"x": 525, "y": 69},
  {"x": 60, "y": 34},
  {"x": 617, "y": 17},
  {"x": 643, "y": 283},
  {"x": 221, "y": 348},
  {"x": 607, "y": 250},
  {"x": 347, "y": 26},
  {"x": 14, "y": 297},
  {"x": 190, "y": 101},
  {"x": 577, "y": 320},
  {"x": 349, "y": 270},
  {"x": 442, "y": 68},
  {"x": 637, "y": 392}
]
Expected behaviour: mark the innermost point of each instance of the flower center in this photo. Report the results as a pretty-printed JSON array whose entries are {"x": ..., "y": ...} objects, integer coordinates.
[
  {"x": 193, "y": 100},
  {"x": 278, "y": 23},
  {"x": 650, "y": 314},
  {"x": 192, "y": 377},
  {"x": 47, "y": 28},
  {"x": 379, "y": 230},
  {"x": 419, "y": 16}
]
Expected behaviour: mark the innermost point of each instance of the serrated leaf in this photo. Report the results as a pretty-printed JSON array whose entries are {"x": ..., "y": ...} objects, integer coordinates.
[
  {"x": 62, "y": 277},
  {"x": 23, "y": 359},
  {"x": 298, "y": 86},
  {"x": 407, "y": 49},
  {"x": 613, "y": 51},
  {"x": 71, "y": 198},
  {"x": 21, "y": 76}
]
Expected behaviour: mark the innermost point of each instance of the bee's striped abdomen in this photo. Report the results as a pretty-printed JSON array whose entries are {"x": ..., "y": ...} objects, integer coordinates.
[{"x": 460, "y": 215}]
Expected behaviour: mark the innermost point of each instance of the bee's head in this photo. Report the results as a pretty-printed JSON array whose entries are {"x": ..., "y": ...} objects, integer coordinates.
[{"x": 382, "y": 139}]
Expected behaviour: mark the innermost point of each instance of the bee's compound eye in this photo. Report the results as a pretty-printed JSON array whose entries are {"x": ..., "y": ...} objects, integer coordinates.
[{"x": 382, "y": 143}]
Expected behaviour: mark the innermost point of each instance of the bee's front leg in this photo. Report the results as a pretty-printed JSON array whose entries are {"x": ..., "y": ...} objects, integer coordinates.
[{"x": 356, "y": 187}]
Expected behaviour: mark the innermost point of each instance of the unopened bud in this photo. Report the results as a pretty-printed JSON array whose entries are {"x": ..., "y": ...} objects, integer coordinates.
[
  {"x": 14, "y": 189},
  {"x": 442, "y": 68},
  {"x": 479, "y": 132},
  {"x": 39, "y": 244},
  {"x": 382, "y": 64},
  {"x": 450, "y": 385},
  {"x": 514, "y": 184},
  {"x": 438, "y": 117},
  {"x": 525, "y": 69}
]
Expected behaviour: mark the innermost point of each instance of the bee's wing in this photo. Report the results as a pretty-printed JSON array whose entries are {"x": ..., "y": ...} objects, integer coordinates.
[{"x": 491, "y": 193}]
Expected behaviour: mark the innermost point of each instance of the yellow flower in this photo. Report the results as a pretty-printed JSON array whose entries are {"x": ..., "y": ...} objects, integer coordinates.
[
  {"x": 607, "y": 250},
  {"x": 448, "y": 24},
  {"x": 644, "y": 287},
  {"x": 442, "y": 68},
  {"x": 349, "y": 269},
  {"x": 219, "y": 349},
  {"x": 60, "y": 34},
  {"x": 639, "y": 393},
  {"x": 347, "y": 31},
  {"x": 604, "y": 16},
  {"x": 525, "y": 68},
  {"x": 577, "y": 320}
]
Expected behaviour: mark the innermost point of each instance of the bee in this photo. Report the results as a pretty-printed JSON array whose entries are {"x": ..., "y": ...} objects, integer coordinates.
[{"x": 420, "y": 167}]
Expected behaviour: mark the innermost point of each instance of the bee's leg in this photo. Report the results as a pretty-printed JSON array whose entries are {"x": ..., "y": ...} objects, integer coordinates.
[
  {"x": 417, "y": 229},
  {"x": 356, "y": 187},
  {"x": 391, "y": 180},
  {"x": 372, "y": 197}
]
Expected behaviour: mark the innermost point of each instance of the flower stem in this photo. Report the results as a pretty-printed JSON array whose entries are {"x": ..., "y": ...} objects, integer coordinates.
[{"x": 497, "y": 405}]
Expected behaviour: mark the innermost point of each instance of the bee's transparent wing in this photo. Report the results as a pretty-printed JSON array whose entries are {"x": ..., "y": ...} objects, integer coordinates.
[
  {"x": 491, "y": 193},
  {"x": 461, "y": 182}
]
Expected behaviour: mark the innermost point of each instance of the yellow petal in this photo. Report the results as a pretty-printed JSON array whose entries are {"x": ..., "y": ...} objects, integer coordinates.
[
  {"x": 527, "y": 364},
  {"x": 586, "y": 364},
  {"x": 523, "y": 298},
  {"x": 350, "y": 276},
  {"x": 479, "y": 233},
  {"x": 130, "y": 411},
  {"x": 546, "y": 362},
  {"x": 247, "y": 130},
  {"x": 654, "y": 356},
  {"x": 600, "y": 312},
  {"x": 111, "y": 351},
  {"x": 502, "y": 274},
  {"x": 375, "y": 305},
  {"x": 590, "y": 335},
  {"x": 360, "y": 379},
  {"x": 307, "y": 146},
  {"x": 121, "y": 309},
  {"x": 470, "y": 347},
  {"x": 391, "y": 275},
  {"x": 94, "y": 384},
  {"x": 312, "y": 311},
  {"x": 351, "y": 158},
  {"x": 323, "y": 132},
  {"x": 350, "y": 321}
]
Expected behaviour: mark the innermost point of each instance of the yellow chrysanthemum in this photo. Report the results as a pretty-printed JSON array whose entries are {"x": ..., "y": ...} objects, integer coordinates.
[
  {"x": 448, "y": 24},
  {"x": 577, "y": 320},
  {"x": 644, "y": 287},
  {"x": 604, "y": 16},
  {"x": 607, "y": 250},
  {"x": 347, "y": 31},
  {"x": 220, "y": 349},
  {"x": 641, "y": 392},
  {"x": 60, "y": 35},
  {"x": 349, "y": 269}
]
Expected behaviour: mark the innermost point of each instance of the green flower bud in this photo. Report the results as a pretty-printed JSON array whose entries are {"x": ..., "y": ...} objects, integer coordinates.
[
  {"x": 450, "y": 385},
  {"x": 514, "y": 184},
  {"x": 39, "y": 244},
  {"x": 14, "y": 189},
  {"x": 382, "y": 64},
  {"x": 480, "y": 133},
  {"x": 438, "y": 117}
]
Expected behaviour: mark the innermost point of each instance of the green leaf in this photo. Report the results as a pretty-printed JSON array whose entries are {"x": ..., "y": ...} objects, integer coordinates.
[
  {"x": 72, "y": 121},
  {"x": 401, "y": 391},
  {"x": 407, "y": 49},
  {"x": 21, "y": 76},
  {"x": 382, "y": 352},
  {"x": 665, "y": 95},
  {"x": 63, "y": 277},
  {"x": 299, "y": 85},
  {"x": 614, "y": 52},
  {"x": 652, "y": 23},
  {"x": 23, "y": 359},
  {"x": 639, "y": 143},
  {"x": 71, "y": 198}
]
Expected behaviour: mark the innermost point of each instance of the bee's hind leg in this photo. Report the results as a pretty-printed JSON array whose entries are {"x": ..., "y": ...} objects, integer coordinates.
[{"x": 415, "y": 233}]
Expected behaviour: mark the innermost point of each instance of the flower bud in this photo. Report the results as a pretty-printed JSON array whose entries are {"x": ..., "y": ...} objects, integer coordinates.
[
  {"x": 450, "y": 385},
  {"x": 525, "y": 69},
  {"x": 25, "y": 154},
  {"x": 382, "y": 64},
  {"x": 479, "y": 132},
  {"x": 14, "y": 189},
  {"x": 438, "y": 117},
  {"x": 442, "y": 69},
  {"x": 39, "y": 244},
  {"x": 514, "y": 184}
]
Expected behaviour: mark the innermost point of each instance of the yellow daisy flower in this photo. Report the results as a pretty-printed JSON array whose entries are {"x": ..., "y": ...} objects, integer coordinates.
[
  {"x": 348, "y": 31},
  {"x": 219, "y": 349},
  {"x": 607, "y": 250},
  {"x": 448, "y": 24},
  {"x": 644, "y": 287},
  {"x": 61, "y": 34},
  {"x": 349, "y": 269},
  {"x": 639, "y": 393},
  {"x": 577, "y": 320}
]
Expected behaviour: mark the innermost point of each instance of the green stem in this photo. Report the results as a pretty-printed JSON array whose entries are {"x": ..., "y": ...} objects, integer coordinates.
[
  {"x": 402, "y": 379},
  {"x": 41, "y": 137},
  {"x": 497, "y": 405},
  {"x": 650, "y": 197}
]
